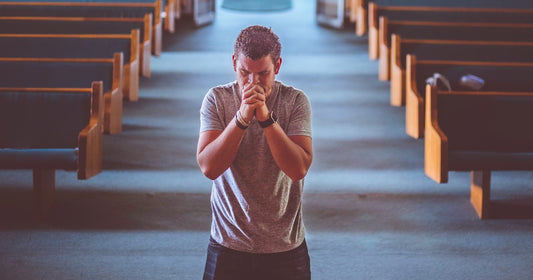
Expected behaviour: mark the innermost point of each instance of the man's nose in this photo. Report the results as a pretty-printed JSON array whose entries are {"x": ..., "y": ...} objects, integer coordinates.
[{"x": 254, "y": 78}]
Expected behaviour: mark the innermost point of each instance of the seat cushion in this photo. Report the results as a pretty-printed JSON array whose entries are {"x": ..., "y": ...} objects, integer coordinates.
[
  {"x": 468, "y": 160},
  {"x": 66, "y": 159}
]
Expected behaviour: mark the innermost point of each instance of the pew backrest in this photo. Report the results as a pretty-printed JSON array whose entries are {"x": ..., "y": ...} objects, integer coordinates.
[
  {"x": 91, "y": 9},
  {"x": 468, "y": 130},
  {"x": 70, "y": 45},
  {"x": 52, "y": 129},
  {"x": 58, "y": 73},
  {"x": 76, "y": 25},
  {"x": 79, "y": 46},
  {"x": 443, "y": 13},
  {"x": 496, "y": 76},
  {"x": 446, "y": 31},
  {"x": 454, "y": 50}
]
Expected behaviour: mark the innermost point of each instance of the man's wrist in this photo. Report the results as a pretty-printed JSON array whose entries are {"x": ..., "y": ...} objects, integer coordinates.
[
  {"x": 239, "y": 120},
  {"x": 272, "y": 118}
]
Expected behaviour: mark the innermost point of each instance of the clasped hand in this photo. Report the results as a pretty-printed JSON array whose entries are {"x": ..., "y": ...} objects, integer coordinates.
[{"x": 253, "y": 102}]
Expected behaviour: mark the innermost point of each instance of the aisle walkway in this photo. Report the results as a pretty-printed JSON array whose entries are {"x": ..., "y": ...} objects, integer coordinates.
[{"x": 370, "y": 211}]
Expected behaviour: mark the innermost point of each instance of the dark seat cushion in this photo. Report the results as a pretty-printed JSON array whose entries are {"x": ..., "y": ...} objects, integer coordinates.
[
  {"x": 66, "y": 159},
  {"x": 465, "y": 160}
]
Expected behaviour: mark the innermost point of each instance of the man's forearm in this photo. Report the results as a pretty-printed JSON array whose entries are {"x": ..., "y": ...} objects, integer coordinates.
[
  {"x": 293, "y": 155},
  {"x": 217, "y": 150}
]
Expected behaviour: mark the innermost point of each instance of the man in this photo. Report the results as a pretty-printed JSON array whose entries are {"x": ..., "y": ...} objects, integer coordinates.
[{"x": 255, "y": 144}]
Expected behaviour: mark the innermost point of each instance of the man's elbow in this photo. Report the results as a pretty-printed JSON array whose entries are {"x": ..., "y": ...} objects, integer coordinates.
[
  {"x": 206, "y": 169},
  {"x": 298, "y": 174},
  {"x": 209, "y": 172}
]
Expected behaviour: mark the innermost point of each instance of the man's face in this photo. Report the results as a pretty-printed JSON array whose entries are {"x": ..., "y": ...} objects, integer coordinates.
[{"x": 261, "y": 72}]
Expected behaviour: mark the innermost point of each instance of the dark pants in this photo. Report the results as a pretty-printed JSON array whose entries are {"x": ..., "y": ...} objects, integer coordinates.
[{"x": 223, "y": 263}]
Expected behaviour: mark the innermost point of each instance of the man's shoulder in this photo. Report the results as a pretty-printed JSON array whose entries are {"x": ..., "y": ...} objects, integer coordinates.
[
  {"x": 225, "y": 88},
  {"x": 290, "y": 92},
  {"x": 287, "y": 88}
]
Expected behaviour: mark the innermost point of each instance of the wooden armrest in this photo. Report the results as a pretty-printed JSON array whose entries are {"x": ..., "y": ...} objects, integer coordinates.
[
  {"x": 383, "y": 51},
  {"x": 435, "y": 142},
  {"x": 361, "y": 26},
  {"x": 397, "y": 74},
  {"x": 91, "y": 138},
  {"x": 373, "y": 30},
  {"x": 413, "y": 100}
]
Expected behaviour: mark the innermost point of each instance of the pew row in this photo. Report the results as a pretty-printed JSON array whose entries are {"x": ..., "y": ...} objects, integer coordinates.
[
  {"x": 497, "y": 76},
  {"x": 438, "y": 14},
  {"x": 478, "y": 132},
  {"x": 70, "y": 73},
  {"x": 446, "y": 31},
  {"x": 455, "y": 50},
  {"x": 90, "y": 25},
  {"x": 169, "y": 10},
  {"x": 79, "y": 46},
  {"x": 91, "y": 9},
  {"x": 48, "y": 129},
  {"x": 364, "y": 6}
]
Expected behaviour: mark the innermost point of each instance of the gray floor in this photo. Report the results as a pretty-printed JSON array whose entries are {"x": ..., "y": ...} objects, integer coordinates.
[{"x": 370, "y": 211}]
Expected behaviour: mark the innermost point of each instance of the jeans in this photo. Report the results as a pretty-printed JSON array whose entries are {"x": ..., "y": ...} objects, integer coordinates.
[{"x": 224, "y": 263}]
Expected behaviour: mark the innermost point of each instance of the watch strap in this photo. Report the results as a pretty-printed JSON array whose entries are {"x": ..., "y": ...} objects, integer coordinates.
[{"x": 270, "y": 121}]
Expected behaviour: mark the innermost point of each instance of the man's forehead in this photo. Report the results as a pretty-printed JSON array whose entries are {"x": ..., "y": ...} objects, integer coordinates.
[{"x": 262, "y": 64}]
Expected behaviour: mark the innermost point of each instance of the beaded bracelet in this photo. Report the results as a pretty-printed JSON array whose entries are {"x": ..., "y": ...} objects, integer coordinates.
[{"x": 238, "y": 122}]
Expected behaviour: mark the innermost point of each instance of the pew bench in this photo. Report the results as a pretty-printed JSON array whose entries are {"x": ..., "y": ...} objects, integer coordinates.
[
  {"x": 445, "y": 13},
  {"x": 364, "y": 8},
  {"x": 422, "y": 49},
  {"x": 68, "y": 46},
  {"x": 49, "y": 129},
  {"x": 91, "y": 9},
  {"x": 498, "y": 76},
  {"x": 446, "y": 31},
  {"x": 86, "y": 25},
  {"x": 478, "y": 132},
  {"x": 70, "y": 73}
]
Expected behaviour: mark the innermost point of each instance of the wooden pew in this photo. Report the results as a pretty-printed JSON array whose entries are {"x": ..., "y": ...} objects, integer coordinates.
[
  {"x": 351, "y": 5},
  {"x": 48, "y": 129},
  {"x": 79, "y": 46},
  {"x": 365, "y": 6},
  {"x": 444, "y": 13},
  {"x": 70, "y": 73},
  {"x": 91, "y": 9},
  {"x": 457, "y": 50},
  {"x": 81, "y": 25},
  {"x": 446, "y": 31},
  {"x": 498, "y": 76},
  {"x": 478, "y": 132},
  {"x": 361, "y": 16}
]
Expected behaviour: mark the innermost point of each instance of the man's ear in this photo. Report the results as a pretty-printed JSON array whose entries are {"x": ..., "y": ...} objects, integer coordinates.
[
  {"x": 234, "y": 62},
  {"x": 277, "y": 66}
]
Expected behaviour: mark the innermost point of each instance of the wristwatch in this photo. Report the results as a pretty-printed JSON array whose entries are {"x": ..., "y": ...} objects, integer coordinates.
[{"x": 268, "y": 122}]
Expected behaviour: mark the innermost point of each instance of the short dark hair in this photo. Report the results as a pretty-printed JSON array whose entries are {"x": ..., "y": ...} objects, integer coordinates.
[{"x": 257, "y": 42}]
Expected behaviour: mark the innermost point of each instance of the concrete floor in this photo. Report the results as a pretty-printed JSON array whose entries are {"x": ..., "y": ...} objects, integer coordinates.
[{"x": 370, "y": 211}]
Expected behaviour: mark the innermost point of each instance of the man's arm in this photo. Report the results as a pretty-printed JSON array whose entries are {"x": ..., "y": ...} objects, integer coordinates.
[
  {"x": 293, "y": 154},
  {"x": 217, "y": 149}
]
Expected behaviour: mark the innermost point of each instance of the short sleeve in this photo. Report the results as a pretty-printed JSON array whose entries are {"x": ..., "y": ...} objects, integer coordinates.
[
  {"x": 209, "y": 115},
  {"x": 300, "y": 120}
]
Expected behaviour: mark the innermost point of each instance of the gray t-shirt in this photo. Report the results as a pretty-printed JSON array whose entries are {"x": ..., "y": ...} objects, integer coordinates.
[{"x": 255, "y": 206}]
